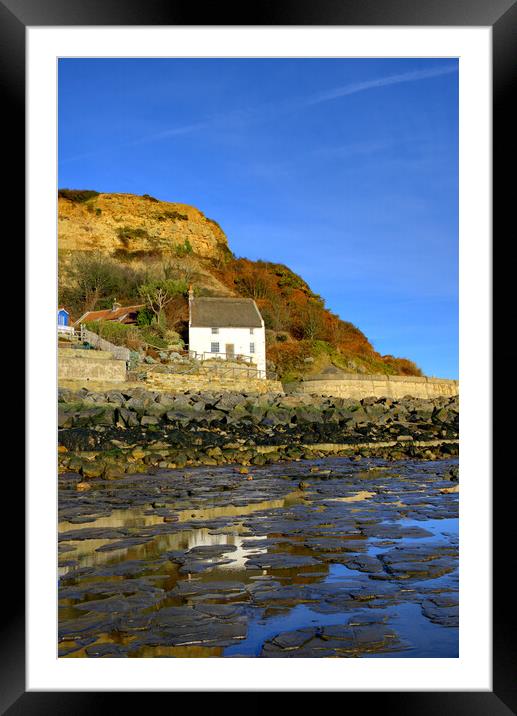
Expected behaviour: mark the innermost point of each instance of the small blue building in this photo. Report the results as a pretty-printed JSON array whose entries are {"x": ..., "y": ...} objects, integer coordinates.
[
  {"x": 63, "y": 322},
  {"x": 63, "y": 317}
]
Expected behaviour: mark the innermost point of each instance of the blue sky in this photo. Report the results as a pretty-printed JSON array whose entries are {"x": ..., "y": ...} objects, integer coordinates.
[{"x": 346, "y": 170}]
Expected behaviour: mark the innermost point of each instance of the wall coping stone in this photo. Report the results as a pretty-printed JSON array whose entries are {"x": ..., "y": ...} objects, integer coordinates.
[{"x": 378, "y": 377}]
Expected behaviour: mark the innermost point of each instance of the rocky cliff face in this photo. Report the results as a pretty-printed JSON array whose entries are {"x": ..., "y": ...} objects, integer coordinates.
[
  {"x": 147, "y": 239},
  {"x": 125, "y": 223}
]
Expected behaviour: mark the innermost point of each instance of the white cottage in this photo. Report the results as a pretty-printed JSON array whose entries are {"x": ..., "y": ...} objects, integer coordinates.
[{"x": 227, "y": 328}]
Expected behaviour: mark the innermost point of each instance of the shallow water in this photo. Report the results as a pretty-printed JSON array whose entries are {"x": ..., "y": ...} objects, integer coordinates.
[{"x": 327, "y": 558}]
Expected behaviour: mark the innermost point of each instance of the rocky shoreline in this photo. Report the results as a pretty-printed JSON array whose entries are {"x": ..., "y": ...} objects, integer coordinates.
[
  {"x": 108, "y": 434},
  {"x": 322, "y": 558}
]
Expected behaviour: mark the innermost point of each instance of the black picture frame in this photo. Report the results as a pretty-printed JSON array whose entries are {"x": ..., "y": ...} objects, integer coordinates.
[{"x": 501, "y": 15}]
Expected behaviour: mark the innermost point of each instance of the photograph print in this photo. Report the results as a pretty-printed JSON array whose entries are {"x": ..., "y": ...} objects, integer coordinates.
[{"x": 257, "y": 330}]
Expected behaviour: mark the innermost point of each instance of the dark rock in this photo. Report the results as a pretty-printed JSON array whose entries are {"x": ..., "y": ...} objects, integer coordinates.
[
  {"x": 280, "y": 561},
  {"x": 454, "y": 473},
  {"x": 442, "y": 609},
  {"x": 149, "y": 420},
  {"x": 364, "y": 563},
  {"x": 123, "y": 544},
  {"x": 83, "y": 626},
  {"x": 294, "y": 639}
]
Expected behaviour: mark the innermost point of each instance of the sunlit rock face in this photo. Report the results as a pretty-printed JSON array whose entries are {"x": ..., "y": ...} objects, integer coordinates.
[{"x": 126, "y": 223}]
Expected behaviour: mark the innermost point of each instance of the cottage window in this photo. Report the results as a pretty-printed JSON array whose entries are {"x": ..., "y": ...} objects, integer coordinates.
[
  {"x": 252, "y": 348},
  {"x": 214, "y": 347},
  {"x": 251, "y": 331},
  {"x": 215, "y": 330}
]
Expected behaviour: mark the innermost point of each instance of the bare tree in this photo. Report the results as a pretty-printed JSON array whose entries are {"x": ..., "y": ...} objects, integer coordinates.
[{"x": 159, "y": 294}]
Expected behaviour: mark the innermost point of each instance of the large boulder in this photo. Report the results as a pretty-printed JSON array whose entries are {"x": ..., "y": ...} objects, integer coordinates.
[
  {"x": 149, "y": 420},
  {"x": 65, "y": 419},
  {"x": 176, "y": 415},
  {"x": 129, "y": 418}
]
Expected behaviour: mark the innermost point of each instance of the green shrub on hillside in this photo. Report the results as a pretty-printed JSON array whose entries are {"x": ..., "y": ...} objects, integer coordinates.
[
  {"x": 126, "y": 256},
  {"x": 153, "y": 336},
  {"x": 173, "y": 338},
  {"x": 145, "y": 317},
  {"x": 172, "y": 216},
  {"x": 288, "y": 357},
  {"x": 211, "y": 221},
  {"x": 401, "y": 366},
  {"x": 77, "y": 195},
  {"x": 126, "y": 233},
  {"x": 183, "y": 249},
  {"x": 112, "y": 331},
  {"x": 93, "y": 279},
  {"x": 93, "y": 210},
  {"x": 133, "y": 337}
]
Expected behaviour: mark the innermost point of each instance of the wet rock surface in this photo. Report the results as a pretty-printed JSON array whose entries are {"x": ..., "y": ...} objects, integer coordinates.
[
  {"x": 353, "y": 640},
  {"x": 203, "y": 562}
]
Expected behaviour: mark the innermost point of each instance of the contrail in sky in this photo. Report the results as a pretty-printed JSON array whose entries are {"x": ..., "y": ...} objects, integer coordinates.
[
  {"x": 266, "y": 111},
  {"x": 356, "y": 87},
  {"x": 272, "y": 110}
]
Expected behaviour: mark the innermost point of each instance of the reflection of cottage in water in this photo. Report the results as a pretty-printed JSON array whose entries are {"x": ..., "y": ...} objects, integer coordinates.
[
  {"x": 227, "y": 328},
  {"x": 93, "y": 553}
]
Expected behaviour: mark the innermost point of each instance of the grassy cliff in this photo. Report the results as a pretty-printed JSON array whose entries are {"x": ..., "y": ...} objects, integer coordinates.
[{"x": 110, "y": 245}]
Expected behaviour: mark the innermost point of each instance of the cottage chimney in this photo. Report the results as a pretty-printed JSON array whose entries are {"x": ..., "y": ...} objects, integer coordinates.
[
  {"x": 190, "y": 299},
  {"x": 116, "y": 305}
]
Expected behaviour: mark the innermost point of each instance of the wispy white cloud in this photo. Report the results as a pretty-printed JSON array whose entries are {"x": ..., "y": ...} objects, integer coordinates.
[
  {"x": 77, "y": 157},
  {"x": 271, "y": 110},
  {"x": 172, "y": 132},
  {"x": 355, "y": 87}
]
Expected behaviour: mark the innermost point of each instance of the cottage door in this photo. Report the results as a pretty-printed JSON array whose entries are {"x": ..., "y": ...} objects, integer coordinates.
[{"x": 230, "y": 351}]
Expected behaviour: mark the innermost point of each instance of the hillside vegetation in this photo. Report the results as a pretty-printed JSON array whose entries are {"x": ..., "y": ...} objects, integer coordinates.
[{"x": 138, "y": 249}]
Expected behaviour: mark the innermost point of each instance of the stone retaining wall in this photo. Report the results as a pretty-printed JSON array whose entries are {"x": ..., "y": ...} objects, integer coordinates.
[
  {"x": 179, "y": 383},
  {"x": 381, "y": 386},
  {"x": 90, "y": 365}
]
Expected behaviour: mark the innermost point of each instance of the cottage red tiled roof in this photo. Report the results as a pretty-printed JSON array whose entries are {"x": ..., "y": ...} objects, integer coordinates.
[{"x": 109, "y": 314}]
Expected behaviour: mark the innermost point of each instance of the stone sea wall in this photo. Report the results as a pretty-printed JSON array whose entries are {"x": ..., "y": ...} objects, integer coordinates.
[
  {"x": 391, "y": 386},
  {"x": 178, "y": 383},
  {"x": 135, "y": 430},
  {"x": 90, "y": 365}
]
